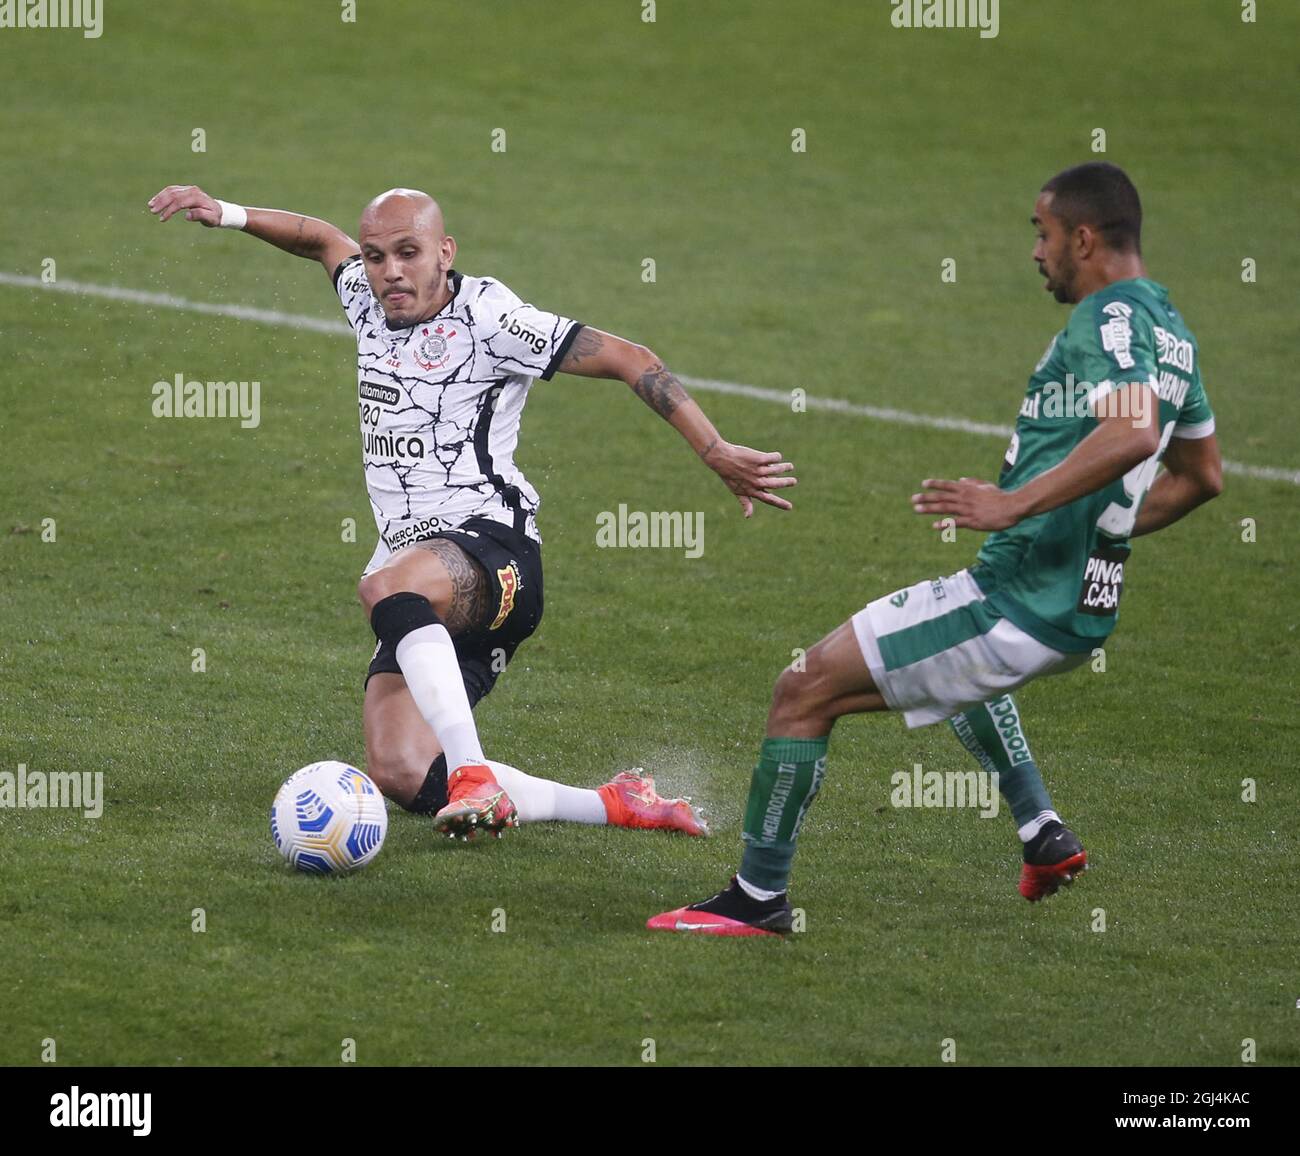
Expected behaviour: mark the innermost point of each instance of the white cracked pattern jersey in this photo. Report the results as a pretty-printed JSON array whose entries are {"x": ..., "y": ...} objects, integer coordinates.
[{"x": 440, "y": 403}]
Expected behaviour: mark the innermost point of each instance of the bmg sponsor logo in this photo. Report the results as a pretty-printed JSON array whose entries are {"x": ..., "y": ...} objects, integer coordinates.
[{"x": 529, "y": 337}]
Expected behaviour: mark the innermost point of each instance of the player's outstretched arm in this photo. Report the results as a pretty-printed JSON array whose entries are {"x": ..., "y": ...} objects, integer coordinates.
[
  {"x": 1117, "y": 445},
  {"x": 1193, "y": 474},
  {"x": 302, "y": 236},
  {"x": 749, "y": 474}
]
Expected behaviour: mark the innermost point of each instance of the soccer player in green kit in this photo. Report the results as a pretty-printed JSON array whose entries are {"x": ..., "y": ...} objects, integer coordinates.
[{"x": 1117, "y": 392}]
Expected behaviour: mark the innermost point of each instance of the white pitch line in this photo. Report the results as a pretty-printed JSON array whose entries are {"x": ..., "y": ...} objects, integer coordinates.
[
  {"x": 167, "y": 301},
  {"x": 837, "y": 405},
  {"x": 758, "y": 392}
]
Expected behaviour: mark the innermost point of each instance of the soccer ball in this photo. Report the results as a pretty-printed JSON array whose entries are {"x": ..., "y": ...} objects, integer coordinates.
[{"x": 329, "y": 818}]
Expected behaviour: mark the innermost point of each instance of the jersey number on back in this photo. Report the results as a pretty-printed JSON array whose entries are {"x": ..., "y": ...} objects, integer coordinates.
[{"x": 1117, "y": 520}]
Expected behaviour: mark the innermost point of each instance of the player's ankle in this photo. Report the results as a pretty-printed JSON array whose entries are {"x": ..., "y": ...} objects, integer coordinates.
[{"x": 756, "y": 893}]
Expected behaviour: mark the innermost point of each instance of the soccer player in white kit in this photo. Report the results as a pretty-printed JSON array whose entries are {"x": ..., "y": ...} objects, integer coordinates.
[{"x": 444, "y": 365}]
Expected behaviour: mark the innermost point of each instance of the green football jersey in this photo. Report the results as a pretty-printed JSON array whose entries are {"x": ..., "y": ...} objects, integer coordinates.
[{"x": 1059, "y": 575}]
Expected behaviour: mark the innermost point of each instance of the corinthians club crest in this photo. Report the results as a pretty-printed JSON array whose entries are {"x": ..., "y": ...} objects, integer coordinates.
[{"x": 431, "y": 353}]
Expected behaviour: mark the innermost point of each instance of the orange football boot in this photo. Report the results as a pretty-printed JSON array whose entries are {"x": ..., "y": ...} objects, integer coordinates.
[
  {"x": 631, "y": 801},
  {"x": 475, "y": 802}
]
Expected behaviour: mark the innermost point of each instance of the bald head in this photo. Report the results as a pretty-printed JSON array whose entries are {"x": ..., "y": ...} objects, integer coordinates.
[
  {"x": 407, "y": 254},
  {"x": 403, "y": 210}
]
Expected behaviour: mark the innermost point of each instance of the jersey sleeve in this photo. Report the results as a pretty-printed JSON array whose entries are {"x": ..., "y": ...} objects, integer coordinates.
[
  {"x": 1196, "y": 418},
  {"x": 1116, "y": 344},
  {"x": 527, "y": 340},
  {"x": 353, "y": 288}
]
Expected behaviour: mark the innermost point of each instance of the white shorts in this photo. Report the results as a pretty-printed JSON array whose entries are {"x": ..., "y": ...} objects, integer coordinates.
[{"x": 935, "y": 649}]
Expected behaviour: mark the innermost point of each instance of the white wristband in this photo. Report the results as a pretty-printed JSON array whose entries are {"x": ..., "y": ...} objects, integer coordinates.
[{"x": 232, "y": 216}]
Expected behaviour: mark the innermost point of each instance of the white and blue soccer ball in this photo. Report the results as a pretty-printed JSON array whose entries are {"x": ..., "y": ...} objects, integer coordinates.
[{"x": 329, "y": 818}]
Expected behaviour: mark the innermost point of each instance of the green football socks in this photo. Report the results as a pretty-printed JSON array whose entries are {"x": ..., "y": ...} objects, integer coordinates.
[
  {"x": 790, "y": 772},
  {"x": 993, "y": 734},
  {"x": 786, "y": 780}
]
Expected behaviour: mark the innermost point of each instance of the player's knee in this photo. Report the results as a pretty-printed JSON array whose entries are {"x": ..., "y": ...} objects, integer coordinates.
[
  {"x": 794, "y": 692},
  {"x": 375, "y": 587},
  {"x": 382, "y": 771},
  {"x": 398, "y": 774},
  {"x": 798, "y": 692}
]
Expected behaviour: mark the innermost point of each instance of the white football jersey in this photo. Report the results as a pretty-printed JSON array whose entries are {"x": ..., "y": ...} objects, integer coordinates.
[{"x": 440, "y": 403}]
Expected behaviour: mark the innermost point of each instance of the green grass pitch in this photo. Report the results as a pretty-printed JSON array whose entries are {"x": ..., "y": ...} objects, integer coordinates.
[{"x": 628, "y": 140}]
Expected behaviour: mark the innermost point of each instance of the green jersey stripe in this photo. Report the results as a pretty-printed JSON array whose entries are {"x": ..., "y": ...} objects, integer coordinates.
[{"x": 926, "y": 639}]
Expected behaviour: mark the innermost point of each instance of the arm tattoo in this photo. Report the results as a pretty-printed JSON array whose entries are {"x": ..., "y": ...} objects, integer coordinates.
[
  {"x": 468, "y": 604},
  {"x": 588, "y": 343},
  {"x": 297, "y": 246},
  {"x": 660, "y": 390}
]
